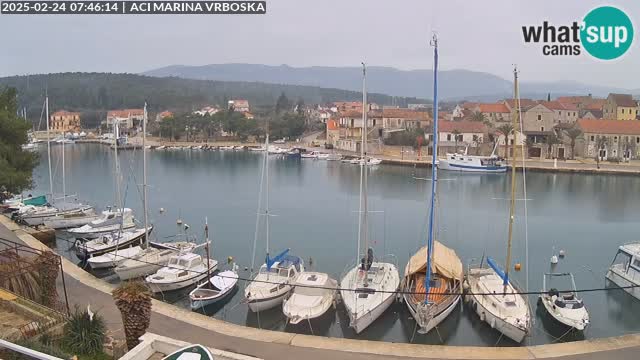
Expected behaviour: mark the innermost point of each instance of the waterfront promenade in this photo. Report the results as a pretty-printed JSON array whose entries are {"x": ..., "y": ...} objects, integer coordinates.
[{"x": 181, "y": 324}]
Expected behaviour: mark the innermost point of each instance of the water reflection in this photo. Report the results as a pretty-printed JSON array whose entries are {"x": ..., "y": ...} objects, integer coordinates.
[{"x": 316, "y": 204}]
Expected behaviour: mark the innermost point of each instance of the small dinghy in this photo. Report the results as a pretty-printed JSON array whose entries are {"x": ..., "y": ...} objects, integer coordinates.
[
  {"x": 313, "y": 295},
  {"x": 215, "y": 289},
  {"x": 564, "y": 306},
  {"x": 191, "y": 352}
]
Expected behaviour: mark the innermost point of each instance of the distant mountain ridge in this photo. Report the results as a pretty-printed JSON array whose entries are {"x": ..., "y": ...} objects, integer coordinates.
[{"x": 454, "y": 84}]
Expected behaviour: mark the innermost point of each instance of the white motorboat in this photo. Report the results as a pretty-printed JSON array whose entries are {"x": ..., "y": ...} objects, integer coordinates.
[
  {"x": 110, "y": 242},
  {"x": 257, "y": 148},
  {"x": 108, "y": 222},
  {"x": 276, "y": 150},
  {"x": 161, "y": 147},
  {"x": 505, "y": 308},
  {"x": 313, "y": 295},
  {"x": 334, "y": 157},
  {"x": 369, "y": 288},
  {"x": 71, "y": 220},
  {"x": 625, "y": 269},
  {"x": 370, "y": 161},
  {"x": 473, "y": 163},
  {"x": 183, "y": 270},
  {"x": 239, "y": 147},
  {"x": 214, "y": 289},
  {"x": 355, "y": 161},
  {"x": 310, "y": 155},
  {"x": 230, "y": 147},
  {"x": 564, "y": 306},
  {"x": 191, "y": 352},
  {"x": 323, "y": 156},
  {"x": 37, "y": 215},
  {"x": 113, "y": 258},
  {"x": 151, "y": 259},
  {"x": 269, "y": 288}
]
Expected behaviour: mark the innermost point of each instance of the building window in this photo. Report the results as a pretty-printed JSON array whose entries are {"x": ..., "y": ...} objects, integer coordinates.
[
  {"x": 637, "y": 139},
  {"x": 623, "y": 111},
  {"x": 448, "y": 137},
  {"x": 593, "y": 138},
  {"x": 541, "y": 128},
  {"x": 615, "y": 139},
  {"x": 475, "y": 137},
  {"x": 539, "y": 117}
]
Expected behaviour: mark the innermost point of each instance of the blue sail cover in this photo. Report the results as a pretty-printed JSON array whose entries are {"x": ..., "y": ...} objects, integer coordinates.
[
  {"x": 275, "y": 259},
  {"x": 498, "y": 271},
  {"x": 36, "y": 201}
]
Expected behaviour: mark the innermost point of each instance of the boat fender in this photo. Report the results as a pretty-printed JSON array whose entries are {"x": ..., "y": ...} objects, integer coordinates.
[
  {"x": 493, "y": 323},
  {"x": 483, "y": 317}
]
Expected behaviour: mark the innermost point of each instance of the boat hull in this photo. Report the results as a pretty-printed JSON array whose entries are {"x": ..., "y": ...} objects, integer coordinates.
[
  {"x": 198, "y": 304},
  {"x": 436, "y": 320},
  {"x": 267, "y": 303},
  {"x": 446, "y": 165},
  {"x": 572, "y": 323},
  {"x": 99, "y": 231},
  {"x": 362, "y": 321},
  {"x": 166, "y": 286},
  {"x": 623, "y": 281},
  {"x": 83, "y": 253},
  {"x": 69, "y": 223}
]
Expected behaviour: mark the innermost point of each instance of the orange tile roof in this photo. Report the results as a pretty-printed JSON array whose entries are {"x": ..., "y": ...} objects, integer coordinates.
[
  {"x": 597, "y": 126},
  {"x": 573, "y": 99},
  {"x": 624, "y": 100},
  {"x": 596, "y": 104},
  {"x": 523, "y": 102},
  {"x": 125, "y": 113},
  {"x": 462, "y": 126},
  {"x": 65, "y": 113},
  {"x": 493, "y": 108},
  {"x": 165, "y": 114},
  {"x": 557, "y": 105},
  {"x": 405, "y": 114}
]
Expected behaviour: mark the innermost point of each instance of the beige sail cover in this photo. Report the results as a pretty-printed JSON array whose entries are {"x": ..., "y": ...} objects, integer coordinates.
[{"x": 445, "y": 262}]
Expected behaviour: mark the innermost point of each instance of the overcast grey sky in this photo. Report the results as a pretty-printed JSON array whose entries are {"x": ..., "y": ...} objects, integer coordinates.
[{"x": 475, "y": 35}]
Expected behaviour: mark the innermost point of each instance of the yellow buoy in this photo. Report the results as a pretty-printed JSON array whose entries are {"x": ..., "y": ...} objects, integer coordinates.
[{"x": 518, "y": 266}]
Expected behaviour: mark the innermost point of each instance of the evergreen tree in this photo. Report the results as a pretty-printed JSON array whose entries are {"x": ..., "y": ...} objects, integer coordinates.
[
  {"x": 282, "y": 104},
  {"x": 16, "y": 164}
]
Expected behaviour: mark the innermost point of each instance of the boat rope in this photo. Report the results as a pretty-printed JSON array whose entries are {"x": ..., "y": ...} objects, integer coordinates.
[{"x": 400, "y": 292}]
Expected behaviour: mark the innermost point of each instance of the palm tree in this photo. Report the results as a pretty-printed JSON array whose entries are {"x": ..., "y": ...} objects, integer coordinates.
[
  {"x": 506, "y": 130},
  {"x": 478, "y": 116},
  {"x": 552, "y": 139},
  {"x": 455, "y": 133},
  {"x": 601, "y": 143},
  {"x": 573, "y": 134},
  {"x": 133, "y": 299}
]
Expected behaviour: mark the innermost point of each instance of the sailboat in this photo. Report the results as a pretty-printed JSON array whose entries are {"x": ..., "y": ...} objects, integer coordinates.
[
  {"x": 369, "y": 288},
  {"x": 184, "y": 269},
  {"x": 491, "y": 293},
  {"x": 433, "y": 276},
  {"x": 34, "y": 215},
  {"x": 151, "y": 258},
  {"x": 275, "y": 277},
  {"x": 108, "y": 222}
]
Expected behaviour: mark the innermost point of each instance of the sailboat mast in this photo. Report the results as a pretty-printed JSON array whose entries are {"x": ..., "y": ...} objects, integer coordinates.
[
  {"x": 116, "y": 134},
  {"x": 364, "y": 168},
  {"x": 206, "y": 236},
  {"x": 513, "y": 183},
  {"x": 144, "y": 177},
  {"x": 64, "y": 182},
  {"x": 46, "y": 102},
  {"x": 434, "y": 171},
  {"x": 266, "y": 198}
]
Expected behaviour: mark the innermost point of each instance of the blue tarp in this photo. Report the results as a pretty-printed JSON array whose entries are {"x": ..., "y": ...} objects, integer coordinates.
[
  {"x": 275, "y": 259},
  {"x": 498, "y": 271},
  {"x": 36, "y": 201}
]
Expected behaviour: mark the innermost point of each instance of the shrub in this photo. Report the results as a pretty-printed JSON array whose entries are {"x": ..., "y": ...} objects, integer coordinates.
[{"x": 84, "y": 335}]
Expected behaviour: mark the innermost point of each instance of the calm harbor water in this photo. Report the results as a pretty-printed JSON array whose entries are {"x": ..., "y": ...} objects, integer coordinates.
[{"x": 316, "y": 204}]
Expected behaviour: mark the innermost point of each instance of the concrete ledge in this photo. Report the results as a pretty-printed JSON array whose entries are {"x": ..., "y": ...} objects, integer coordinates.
[{"x": 352, "y": 345}]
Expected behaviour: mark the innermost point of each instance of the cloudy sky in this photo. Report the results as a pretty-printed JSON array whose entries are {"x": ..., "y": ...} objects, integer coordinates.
[{"x": 475, "y": 35}]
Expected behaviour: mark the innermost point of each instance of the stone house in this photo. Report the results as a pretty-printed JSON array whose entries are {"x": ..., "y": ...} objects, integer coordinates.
[
  {"x": 465, "y": 133},
  {"x": 563, "y": 113},
  {"x": 64, "y": 121},
  {"x": 620, "y": 107},
  {"x": 494, "y": 113},
  {"x": 609, "y": 139}
]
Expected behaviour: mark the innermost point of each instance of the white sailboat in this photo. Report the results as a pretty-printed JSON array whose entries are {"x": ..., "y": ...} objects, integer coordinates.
[
  {"x": 433, "y": 276},
  {"x": 275, "y": 277},
  {"x": 113, "y": 258},
  {"x": 151, "y": 258},
  {"x": 313, "y": 294},
  {"x": 37, "y": 215},
  {"x": 369, "y": 288},
  {"x": 183, "y": 270},
  {"x": 108, "y": 222},
  {"x": 110, "y": 242},
  {"x": 492, "y": 294}
]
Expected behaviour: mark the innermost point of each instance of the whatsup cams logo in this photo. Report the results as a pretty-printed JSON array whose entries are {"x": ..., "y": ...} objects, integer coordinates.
[{"x": 605, "y": 33}]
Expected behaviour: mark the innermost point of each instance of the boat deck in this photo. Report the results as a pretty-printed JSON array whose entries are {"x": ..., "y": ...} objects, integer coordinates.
[{"x": 436, "y": 293}]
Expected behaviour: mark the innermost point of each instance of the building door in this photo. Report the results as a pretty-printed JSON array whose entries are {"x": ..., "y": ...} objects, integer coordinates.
[
  {"x": 535, "y": 152},
  {"x": 561, "y": 153}
]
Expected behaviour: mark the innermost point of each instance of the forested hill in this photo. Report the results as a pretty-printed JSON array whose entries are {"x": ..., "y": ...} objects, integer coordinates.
[{"x": 95, "y": 93}]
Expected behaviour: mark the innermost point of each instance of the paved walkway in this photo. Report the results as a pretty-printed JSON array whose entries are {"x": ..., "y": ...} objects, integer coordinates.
[{"x": 181, "y": 324}]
